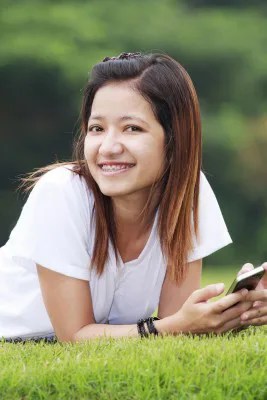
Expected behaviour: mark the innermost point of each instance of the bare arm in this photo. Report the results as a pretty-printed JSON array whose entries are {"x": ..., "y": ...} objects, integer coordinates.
[
  {"x": 69, "y": 305},
  {"x": 67, "y": 300},
  {"x": 172, "y": 297},
  {"x": 171, "y": 300}
]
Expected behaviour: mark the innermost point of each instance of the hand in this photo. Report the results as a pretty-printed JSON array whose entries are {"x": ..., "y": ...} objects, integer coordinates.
[
  {"x": 257, "y": 314},
  {"x": 197, "y": 315}
]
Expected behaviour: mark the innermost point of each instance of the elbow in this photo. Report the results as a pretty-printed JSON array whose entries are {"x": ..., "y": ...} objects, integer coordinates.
[
  {"x": 66, "y": 339},
  {"x": 77, "y": 336},
  {"x": 81, "y": 335}
]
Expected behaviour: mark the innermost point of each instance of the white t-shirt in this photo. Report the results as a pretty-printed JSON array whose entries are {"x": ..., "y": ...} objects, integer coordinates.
[{"x": 55, "y": 230}]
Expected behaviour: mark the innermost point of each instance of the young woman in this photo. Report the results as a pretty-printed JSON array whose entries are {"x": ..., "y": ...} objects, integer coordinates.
[{"x": 104, "y": 240}]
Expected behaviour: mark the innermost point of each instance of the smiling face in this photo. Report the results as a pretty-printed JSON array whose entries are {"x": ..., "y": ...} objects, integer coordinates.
[{"x": 124, "y": 145}]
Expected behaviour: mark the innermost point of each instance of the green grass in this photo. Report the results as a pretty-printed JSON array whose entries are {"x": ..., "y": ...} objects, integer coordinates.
[
  {"x": 182, "y": 367},
  {"x": 163, "y": 368}
]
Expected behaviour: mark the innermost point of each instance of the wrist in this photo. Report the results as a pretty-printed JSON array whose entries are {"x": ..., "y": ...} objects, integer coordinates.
[{"x": 170, "y": 325}]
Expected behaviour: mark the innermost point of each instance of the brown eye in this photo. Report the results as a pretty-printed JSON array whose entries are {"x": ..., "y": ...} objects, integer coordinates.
[
  {"x": 135, "y": 128},
  {"x": 91, "y": 128}
]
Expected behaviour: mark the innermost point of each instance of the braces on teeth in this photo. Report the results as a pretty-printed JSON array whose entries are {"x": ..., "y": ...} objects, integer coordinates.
[{"x": 110, "y": 168}]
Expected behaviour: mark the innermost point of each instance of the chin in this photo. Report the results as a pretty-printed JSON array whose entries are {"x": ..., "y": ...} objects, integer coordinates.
[{"x": 113, "y": 191}]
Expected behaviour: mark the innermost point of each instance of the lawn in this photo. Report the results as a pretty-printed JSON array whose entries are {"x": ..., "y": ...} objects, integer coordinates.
[{"x": 182, "y": 367}]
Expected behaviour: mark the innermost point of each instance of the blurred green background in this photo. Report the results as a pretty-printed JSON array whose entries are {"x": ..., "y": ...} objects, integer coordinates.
[{"x": 48, "y": 47}]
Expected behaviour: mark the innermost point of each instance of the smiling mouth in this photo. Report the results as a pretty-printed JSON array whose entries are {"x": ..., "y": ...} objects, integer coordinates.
[{"x": 115, "y": 170}]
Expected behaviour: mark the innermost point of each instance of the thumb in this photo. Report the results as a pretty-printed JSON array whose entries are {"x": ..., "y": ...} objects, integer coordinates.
[
  {"x": 246, "y": 268},
  {"x": 263, "y": 282},
  {"x": 207, "y": 293}
]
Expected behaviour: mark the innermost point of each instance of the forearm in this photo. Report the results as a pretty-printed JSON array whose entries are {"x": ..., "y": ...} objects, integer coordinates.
[{"x": 117, "y": 331}]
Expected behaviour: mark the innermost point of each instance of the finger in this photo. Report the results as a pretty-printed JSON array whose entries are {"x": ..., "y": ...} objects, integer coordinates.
[
  {"x": 254, "y": 313},
  {"x": 206, "y": 293},
  {"x": 236, "y": 311},
  {"x": 229, "y": 300},
  {"x": 233, "y": 324},
  {"x": 258, "y": 303},
  {"x": 246, "y": 268},
  {"x": 263, "y": 281},
  {"x": 255, "y": 321},
  {"x": 257, "y": 295}
]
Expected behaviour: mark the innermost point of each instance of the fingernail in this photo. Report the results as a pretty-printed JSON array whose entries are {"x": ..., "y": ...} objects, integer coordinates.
[
  {"x": 244, "y": 291},
  {"x": 244, "y": 317}
]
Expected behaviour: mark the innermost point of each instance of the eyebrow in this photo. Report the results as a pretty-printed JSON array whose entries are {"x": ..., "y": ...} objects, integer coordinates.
[{"x": 123, "y": 118}]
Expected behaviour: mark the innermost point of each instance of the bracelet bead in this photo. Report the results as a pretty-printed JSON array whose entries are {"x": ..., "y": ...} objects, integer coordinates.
[
  {"x": 141, "y": 328},
  {"x": 150, "y": 326}
]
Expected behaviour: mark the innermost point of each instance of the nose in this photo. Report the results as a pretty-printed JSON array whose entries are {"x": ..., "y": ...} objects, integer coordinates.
[{"x": 110, "y": 145}]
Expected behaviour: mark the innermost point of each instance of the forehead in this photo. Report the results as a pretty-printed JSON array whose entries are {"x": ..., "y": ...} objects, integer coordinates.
[{"x": 120, "y": 98}]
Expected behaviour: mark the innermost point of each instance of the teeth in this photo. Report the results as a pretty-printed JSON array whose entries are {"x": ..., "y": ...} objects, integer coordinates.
[{"x": 114, "y": 167}]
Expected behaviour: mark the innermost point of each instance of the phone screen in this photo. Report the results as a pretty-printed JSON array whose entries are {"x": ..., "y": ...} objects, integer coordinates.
[
  {"x": 248, "y": 280},
  {"x": 248, "y": 283}
]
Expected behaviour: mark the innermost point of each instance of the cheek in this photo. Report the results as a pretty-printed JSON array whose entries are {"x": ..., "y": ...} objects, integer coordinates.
[
  {"x": 90, "y": 150},
  {"x": 152, "y": 155}
]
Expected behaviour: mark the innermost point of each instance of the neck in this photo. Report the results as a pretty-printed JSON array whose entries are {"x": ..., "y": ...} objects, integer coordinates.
[{"x": 127, "y": 210}]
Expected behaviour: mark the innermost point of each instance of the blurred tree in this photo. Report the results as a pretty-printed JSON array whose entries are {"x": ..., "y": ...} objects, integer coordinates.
[{"x": 38, "y": 113}]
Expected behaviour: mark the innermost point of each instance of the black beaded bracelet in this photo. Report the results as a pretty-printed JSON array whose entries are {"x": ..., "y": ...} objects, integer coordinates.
[
  {"x": 141, "y": 328},
  {"x": 150, "y": 325}
]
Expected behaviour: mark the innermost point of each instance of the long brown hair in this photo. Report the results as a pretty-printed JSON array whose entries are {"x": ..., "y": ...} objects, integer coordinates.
[{"x": 165, "y": 84}]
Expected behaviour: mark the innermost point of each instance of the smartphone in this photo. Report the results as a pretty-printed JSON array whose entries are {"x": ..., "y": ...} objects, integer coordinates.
[{"x": 249, "y": 280}]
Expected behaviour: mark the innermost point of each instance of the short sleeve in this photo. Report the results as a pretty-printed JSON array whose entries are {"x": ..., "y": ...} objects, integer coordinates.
[
  {"x": 213, "y": 233},
  {"x": 53, "y": 226}
]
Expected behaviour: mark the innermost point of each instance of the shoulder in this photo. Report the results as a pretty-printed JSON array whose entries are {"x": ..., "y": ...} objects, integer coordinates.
[
  {"x": 208, "y": 203},
  {"x": 63, "y": 179},
  {"x": 62, "y": 175},
  {"x": 53, "y": 229},
  {"x": 61, "y": 189},
  {"x": 212, "y": 230},
  {"x": 203, "y": 181},
  {"x": 205, "y": 191}
]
